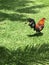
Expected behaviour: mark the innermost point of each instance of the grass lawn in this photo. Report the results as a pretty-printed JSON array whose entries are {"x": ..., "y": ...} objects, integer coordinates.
[{"x": 18, "y": 44}]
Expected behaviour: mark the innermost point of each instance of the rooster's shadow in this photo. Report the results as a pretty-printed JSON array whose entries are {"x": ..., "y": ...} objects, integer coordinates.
[{"x": 35, "y": 35}]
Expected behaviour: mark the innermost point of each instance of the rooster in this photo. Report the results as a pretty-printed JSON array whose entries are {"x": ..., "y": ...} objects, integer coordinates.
[{"x": 38, "y": 27}]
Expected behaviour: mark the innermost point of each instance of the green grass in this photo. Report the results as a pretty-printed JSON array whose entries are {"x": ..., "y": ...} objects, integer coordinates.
[{"x": 17, "y": 40}]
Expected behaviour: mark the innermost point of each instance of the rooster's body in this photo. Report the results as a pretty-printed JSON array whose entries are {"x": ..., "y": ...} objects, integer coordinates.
[{"x": 37, "y": 26}]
